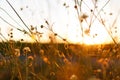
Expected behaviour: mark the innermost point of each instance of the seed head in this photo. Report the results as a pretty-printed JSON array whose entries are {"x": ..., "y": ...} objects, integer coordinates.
[
  {"x": 41, "y": 26},
  {"x": 75, "y": 6},
  {"x": 26, "y": 50},
  {"x": 55, "y": 34}
]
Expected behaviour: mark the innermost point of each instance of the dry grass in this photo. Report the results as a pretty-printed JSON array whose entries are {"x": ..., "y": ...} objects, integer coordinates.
[
  {"x": 55, "y": 61},
  {"x": 48, "y": 62}
]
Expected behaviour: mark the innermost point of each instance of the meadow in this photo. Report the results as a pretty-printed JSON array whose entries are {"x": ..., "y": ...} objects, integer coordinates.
[
  {"x": 35, "y": 61},
  {"x": 21, "y": 60}
]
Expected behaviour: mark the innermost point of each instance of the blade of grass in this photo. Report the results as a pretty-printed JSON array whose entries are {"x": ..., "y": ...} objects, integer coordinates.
[
  {"x": 14, "y": 26},
  {"x": 18, "y": 15},
  {"x": 11, "y": 17}
]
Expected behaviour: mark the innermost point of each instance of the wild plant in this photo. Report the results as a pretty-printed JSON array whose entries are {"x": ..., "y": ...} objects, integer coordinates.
[{"x": 54, "y": 61}]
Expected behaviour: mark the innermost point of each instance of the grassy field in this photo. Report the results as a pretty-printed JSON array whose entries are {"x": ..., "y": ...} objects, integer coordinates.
[
  {"x": 65, "y": 61},
  {"x": 35, "y": 61}
]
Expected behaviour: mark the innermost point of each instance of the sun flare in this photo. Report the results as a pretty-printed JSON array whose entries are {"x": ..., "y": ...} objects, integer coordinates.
[{"x": 96, "y": 35}]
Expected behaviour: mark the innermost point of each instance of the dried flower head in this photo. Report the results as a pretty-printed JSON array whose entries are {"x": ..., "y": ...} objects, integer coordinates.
[
  {"x": 64, "y": 39},
  {"x": 98, "y": 70},
  {"x": 26, "y": 50},
  {"x": 46, "y": 22},
  {"x": 45, "y": 59},
  {"x": 32, "y": 28},
  {"x": 64, "y": 4},
  {"x": 30, "y": 61},
  {"x": 21, "y": 39},
  {"x": 110, "y": 13},
  {"x": 25, "y": 32},
  {"x": 41, "y": 52},
  {"x": 11, "y": 36},
  {"x": 91, "y": 10},
  {"x": 21, "y": 8},
  {"x": 83, "y": 17},
  {"x": 30, "y": 58},
  {"x": 75, "y": 6},
  {"x": 87, "y": 31},
  {"x": 55, "y": 34},
  {"x": 41, "y": 26},
  {"x": 52, "y": 73},
  {"x": 73, "y": 77},
  {"x": 17, "y": 52}
]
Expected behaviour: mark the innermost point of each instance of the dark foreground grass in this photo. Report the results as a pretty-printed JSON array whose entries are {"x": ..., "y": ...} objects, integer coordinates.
[{"x": 35, "y": 61}]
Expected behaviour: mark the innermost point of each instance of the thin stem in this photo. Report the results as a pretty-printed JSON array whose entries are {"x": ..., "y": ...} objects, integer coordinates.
[
  {"x": 54, "y": 33},
  {"x": 8, "y": 23},
  {"x": 18, "y": 16},
  {"x": 14, "y": 26},
  {"x": 3, "y": 36},
  {"x": 11, "y": 17},
  {"x": 78, "y": 14},
  {"x": 26, "y": 66},
  {"x": 100, "y": 10}
]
